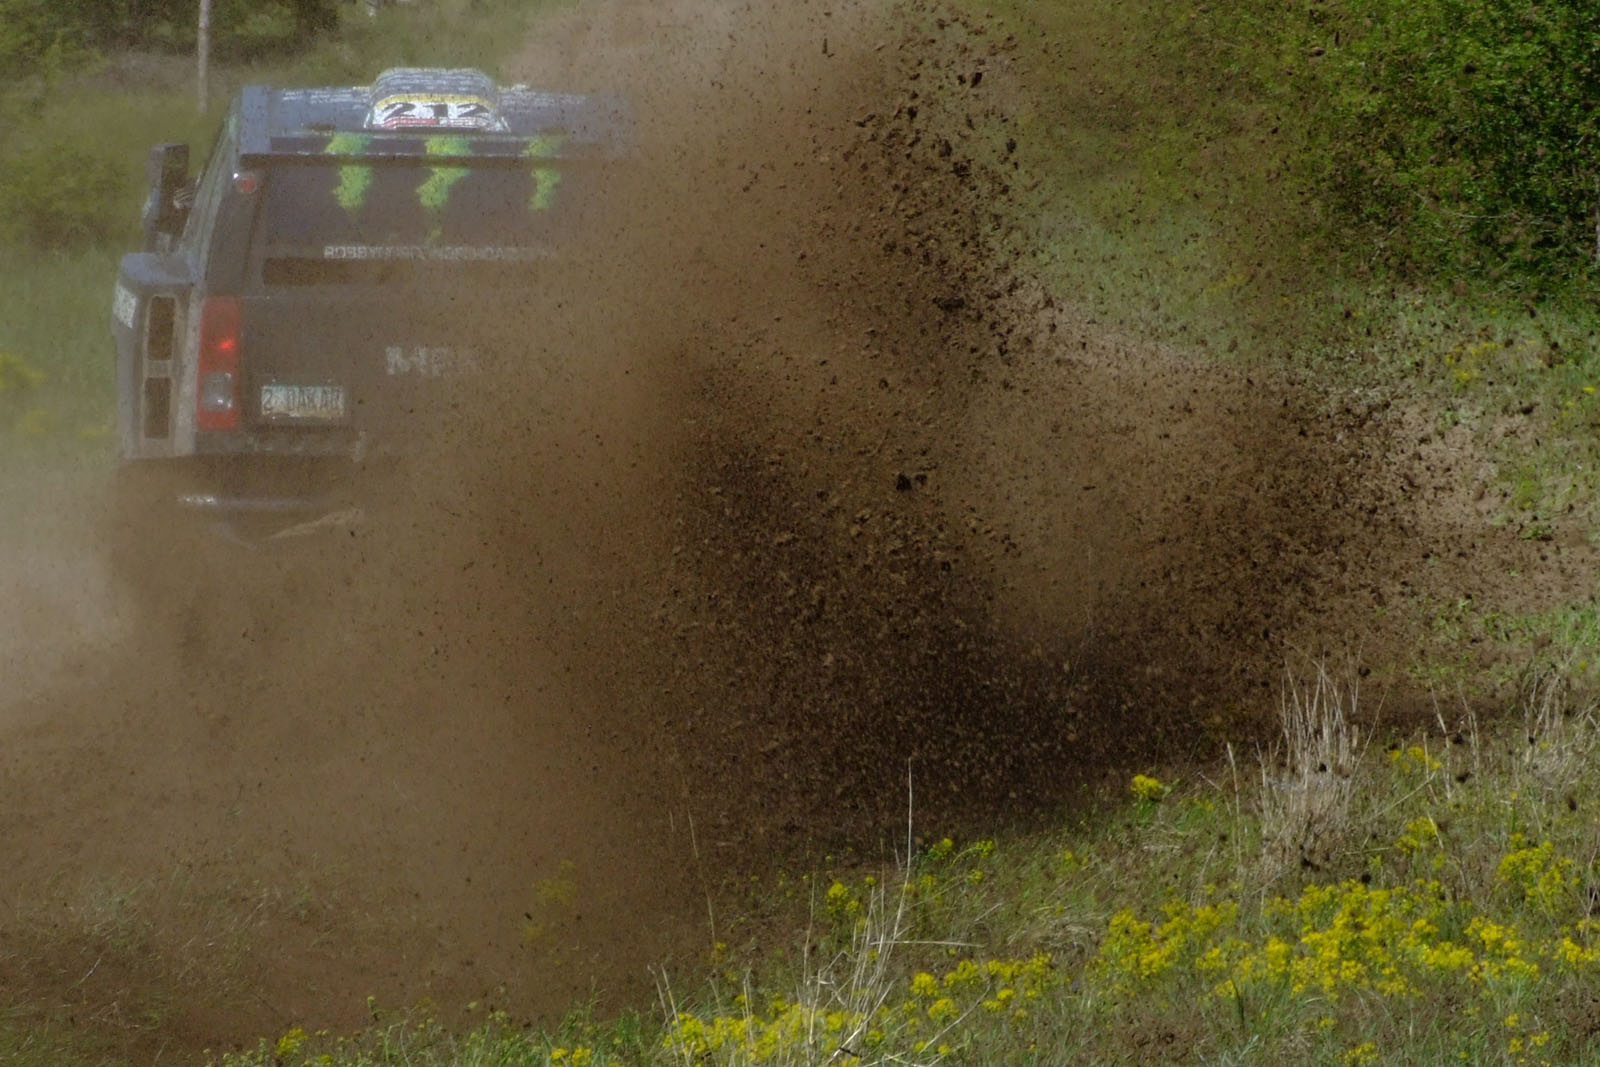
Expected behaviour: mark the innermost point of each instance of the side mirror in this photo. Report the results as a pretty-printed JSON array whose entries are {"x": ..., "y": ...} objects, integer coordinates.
[{"x": 167, "y": 207}]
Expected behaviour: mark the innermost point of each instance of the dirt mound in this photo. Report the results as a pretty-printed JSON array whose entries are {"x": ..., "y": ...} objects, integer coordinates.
[{"x": 801, "y": 485}]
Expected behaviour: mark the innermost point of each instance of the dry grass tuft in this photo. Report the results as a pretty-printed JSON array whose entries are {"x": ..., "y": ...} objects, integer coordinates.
[
  {"x": 1305, "y": 807},
  {"x": 1558, "y": 725}
]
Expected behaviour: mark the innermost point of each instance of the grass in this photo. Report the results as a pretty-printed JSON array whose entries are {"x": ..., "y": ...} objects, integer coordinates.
[
  {"x": 1169, "y": 206},
  {"x": 115, "y": 970},
  {"x": 1305, "y": 811},
  {"x": 1480, "y": 652},
  {"x": 1447, "y": 914},
  {"x": 56, "y": 331}
]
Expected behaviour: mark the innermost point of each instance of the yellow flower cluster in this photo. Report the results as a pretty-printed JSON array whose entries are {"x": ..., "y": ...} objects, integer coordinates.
[
  {"x": 788, "y": 1028},
  {"x": 1522, "y": 1042},
  {"x": 16, "y": 376},
  {"x": 1538, "y": 875},
  {"x": 290, "y": 1043},
  {"x": 1572, "y": 955},
  {"x": 998, "y": 988},
  {"x": 1363, "y": 1055},
  {"x": 1466, "y": 360},
  {"x": 1354, "y": 937},
  {"x": 1414, "y": 759},
  {"x": 1502, "y": 951},
  {"x": 1147, "y": 789},
  {"x": 1419, "y": 836},
  {"x": 1135, "y": 952},
  {"x": 842, "y": 904},
  {"x": 1351, "y": 938},
  {"x": 17, "y": 380}
]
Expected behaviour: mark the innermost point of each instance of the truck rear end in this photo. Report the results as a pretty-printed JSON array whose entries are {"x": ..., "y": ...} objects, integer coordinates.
[{"x": 353, "y": 262}]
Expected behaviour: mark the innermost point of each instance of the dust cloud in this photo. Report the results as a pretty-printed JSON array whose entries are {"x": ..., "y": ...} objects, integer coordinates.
[{"x": 792, "y": 483}]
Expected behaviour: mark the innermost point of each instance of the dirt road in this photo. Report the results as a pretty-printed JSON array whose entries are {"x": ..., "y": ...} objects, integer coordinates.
[{"x": 837, "y": 490}]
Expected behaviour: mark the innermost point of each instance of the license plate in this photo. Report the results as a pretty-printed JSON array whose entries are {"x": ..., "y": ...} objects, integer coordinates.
[{"x": 319, "y": 402}]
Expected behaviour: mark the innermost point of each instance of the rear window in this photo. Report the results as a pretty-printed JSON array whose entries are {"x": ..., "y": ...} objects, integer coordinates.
[{"x": 350, "y": 223}]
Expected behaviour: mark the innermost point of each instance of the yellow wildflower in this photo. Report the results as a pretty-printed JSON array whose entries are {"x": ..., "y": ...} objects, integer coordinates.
[
  {"x": 290, "y": 1043},
  {"x": 1362, "y": 1055},
  {"x": 1147, "y": 789}
]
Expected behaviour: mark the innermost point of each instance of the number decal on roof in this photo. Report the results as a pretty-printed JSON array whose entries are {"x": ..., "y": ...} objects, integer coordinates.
[{"x": 437, "y": 111}]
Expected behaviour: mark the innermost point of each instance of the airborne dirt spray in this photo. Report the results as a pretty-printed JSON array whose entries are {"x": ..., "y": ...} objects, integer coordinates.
[
  {"x": 787, "y": 284},
  {"x": 881, "y": 501},
  {"x": 790, "y": 479},
  {"x": 906, "y": 519}
]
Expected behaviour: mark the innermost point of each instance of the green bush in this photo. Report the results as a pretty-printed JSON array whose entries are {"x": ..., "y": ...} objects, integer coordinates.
[
  {"x": 35, "y": 35},
  {"x": 35, "y": 39},
  {"x": 55, "y": 193},
  {"x": 247, "y": 29},
  {"x": 1459, "y": 137},
  {"x": 1472, "y": 127}
]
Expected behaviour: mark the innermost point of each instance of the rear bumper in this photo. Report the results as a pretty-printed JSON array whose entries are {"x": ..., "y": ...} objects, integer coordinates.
[
  {"x": 252, "y": 498},
  {"x": 224, "y": 504},
  {"x": 252, "y": 520},
  {"x": 269, "y": 444}
]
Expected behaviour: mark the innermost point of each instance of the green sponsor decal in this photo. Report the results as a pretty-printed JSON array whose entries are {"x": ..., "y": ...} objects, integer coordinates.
[
  {"x": 545, "y": 146},
  {"x": 348, "y": 144},
  {"x": 545, "y": 179},
  {"x": 355, "y": 180},
  {"x": 434, "y": 192}
]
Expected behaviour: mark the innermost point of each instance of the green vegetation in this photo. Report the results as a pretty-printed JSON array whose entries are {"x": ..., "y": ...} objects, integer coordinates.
[
  {"x": 1447, "y": 139},
  {"x": 1402, "y": 142},
  {"x": 55, "y": 361},
  {"x": 1399, "y": 197},
  {"x": 39, "y": 38},
  {"x": 1427, "y": 901}
]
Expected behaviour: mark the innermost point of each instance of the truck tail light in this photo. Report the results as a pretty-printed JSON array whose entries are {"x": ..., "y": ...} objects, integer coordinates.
[{"x": 217, "y": 395}]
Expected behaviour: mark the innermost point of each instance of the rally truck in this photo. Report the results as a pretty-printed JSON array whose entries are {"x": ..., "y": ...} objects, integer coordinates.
[{"x": 299, "y": 305}]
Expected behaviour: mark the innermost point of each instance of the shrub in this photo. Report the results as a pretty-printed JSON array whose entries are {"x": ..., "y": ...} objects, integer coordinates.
[
  {"x": 55, "y": 193},
  {"x": 24, "y": 33},
  {"x": 1474, "y": 127},
  {"x": 1444, "y": 136},
  {"x": 36, "y": 35},
  {"x": 1305, "y": 812}
]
